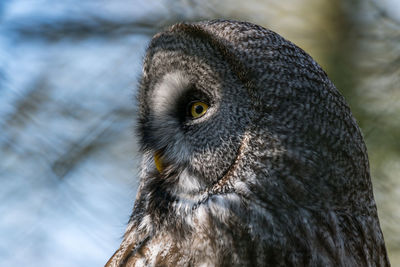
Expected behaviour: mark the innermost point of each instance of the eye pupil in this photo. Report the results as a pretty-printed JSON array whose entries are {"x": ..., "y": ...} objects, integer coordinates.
[{"x": 199, "y": 109}]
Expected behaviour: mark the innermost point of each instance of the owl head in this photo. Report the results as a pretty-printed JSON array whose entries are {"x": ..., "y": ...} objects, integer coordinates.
[{"x": 234, "y": 102}]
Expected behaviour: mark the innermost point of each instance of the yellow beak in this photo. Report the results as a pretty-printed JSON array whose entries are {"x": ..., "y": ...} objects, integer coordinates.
[{"x": 158, "y": 161}]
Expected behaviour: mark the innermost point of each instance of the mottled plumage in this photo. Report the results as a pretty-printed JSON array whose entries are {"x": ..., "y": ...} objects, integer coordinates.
[{"x": 275, "y": 173}]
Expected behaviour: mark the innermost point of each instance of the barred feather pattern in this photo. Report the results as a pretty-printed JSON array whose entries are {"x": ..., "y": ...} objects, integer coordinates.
[{"x": 276, "y": 172}]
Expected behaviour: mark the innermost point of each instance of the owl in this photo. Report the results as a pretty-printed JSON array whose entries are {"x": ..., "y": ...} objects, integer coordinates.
[{"x": 250, "y": 157}]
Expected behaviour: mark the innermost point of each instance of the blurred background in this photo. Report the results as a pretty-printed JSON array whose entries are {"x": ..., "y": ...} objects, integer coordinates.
[{"x": 68, "y": 77}]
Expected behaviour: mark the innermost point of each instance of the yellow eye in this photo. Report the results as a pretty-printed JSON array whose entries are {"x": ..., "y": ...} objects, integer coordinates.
[{"x": 198, "y": 109}]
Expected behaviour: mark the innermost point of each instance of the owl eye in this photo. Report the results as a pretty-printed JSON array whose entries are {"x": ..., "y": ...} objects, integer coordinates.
[{"x": 198, "y": 109}]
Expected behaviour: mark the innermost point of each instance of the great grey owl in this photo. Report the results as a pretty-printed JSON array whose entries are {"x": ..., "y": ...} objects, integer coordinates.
[{"x": 251, "y": 157}]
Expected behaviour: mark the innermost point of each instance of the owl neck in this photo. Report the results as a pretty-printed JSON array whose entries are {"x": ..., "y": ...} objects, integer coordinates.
[
  {"x": 324, "y": 236},
  {"x": 247, "y": 226}
]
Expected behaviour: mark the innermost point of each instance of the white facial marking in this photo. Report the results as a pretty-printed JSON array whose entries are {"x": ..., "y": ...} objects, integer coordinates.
[
  {"x": 188, "y": 183},
  {"x": 166, "y": 92}
]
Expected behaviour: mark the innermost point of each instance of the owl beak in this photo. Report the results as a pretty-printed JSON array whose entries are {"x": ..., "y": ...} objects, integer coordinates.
[{"x": 158, "y": 161}]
